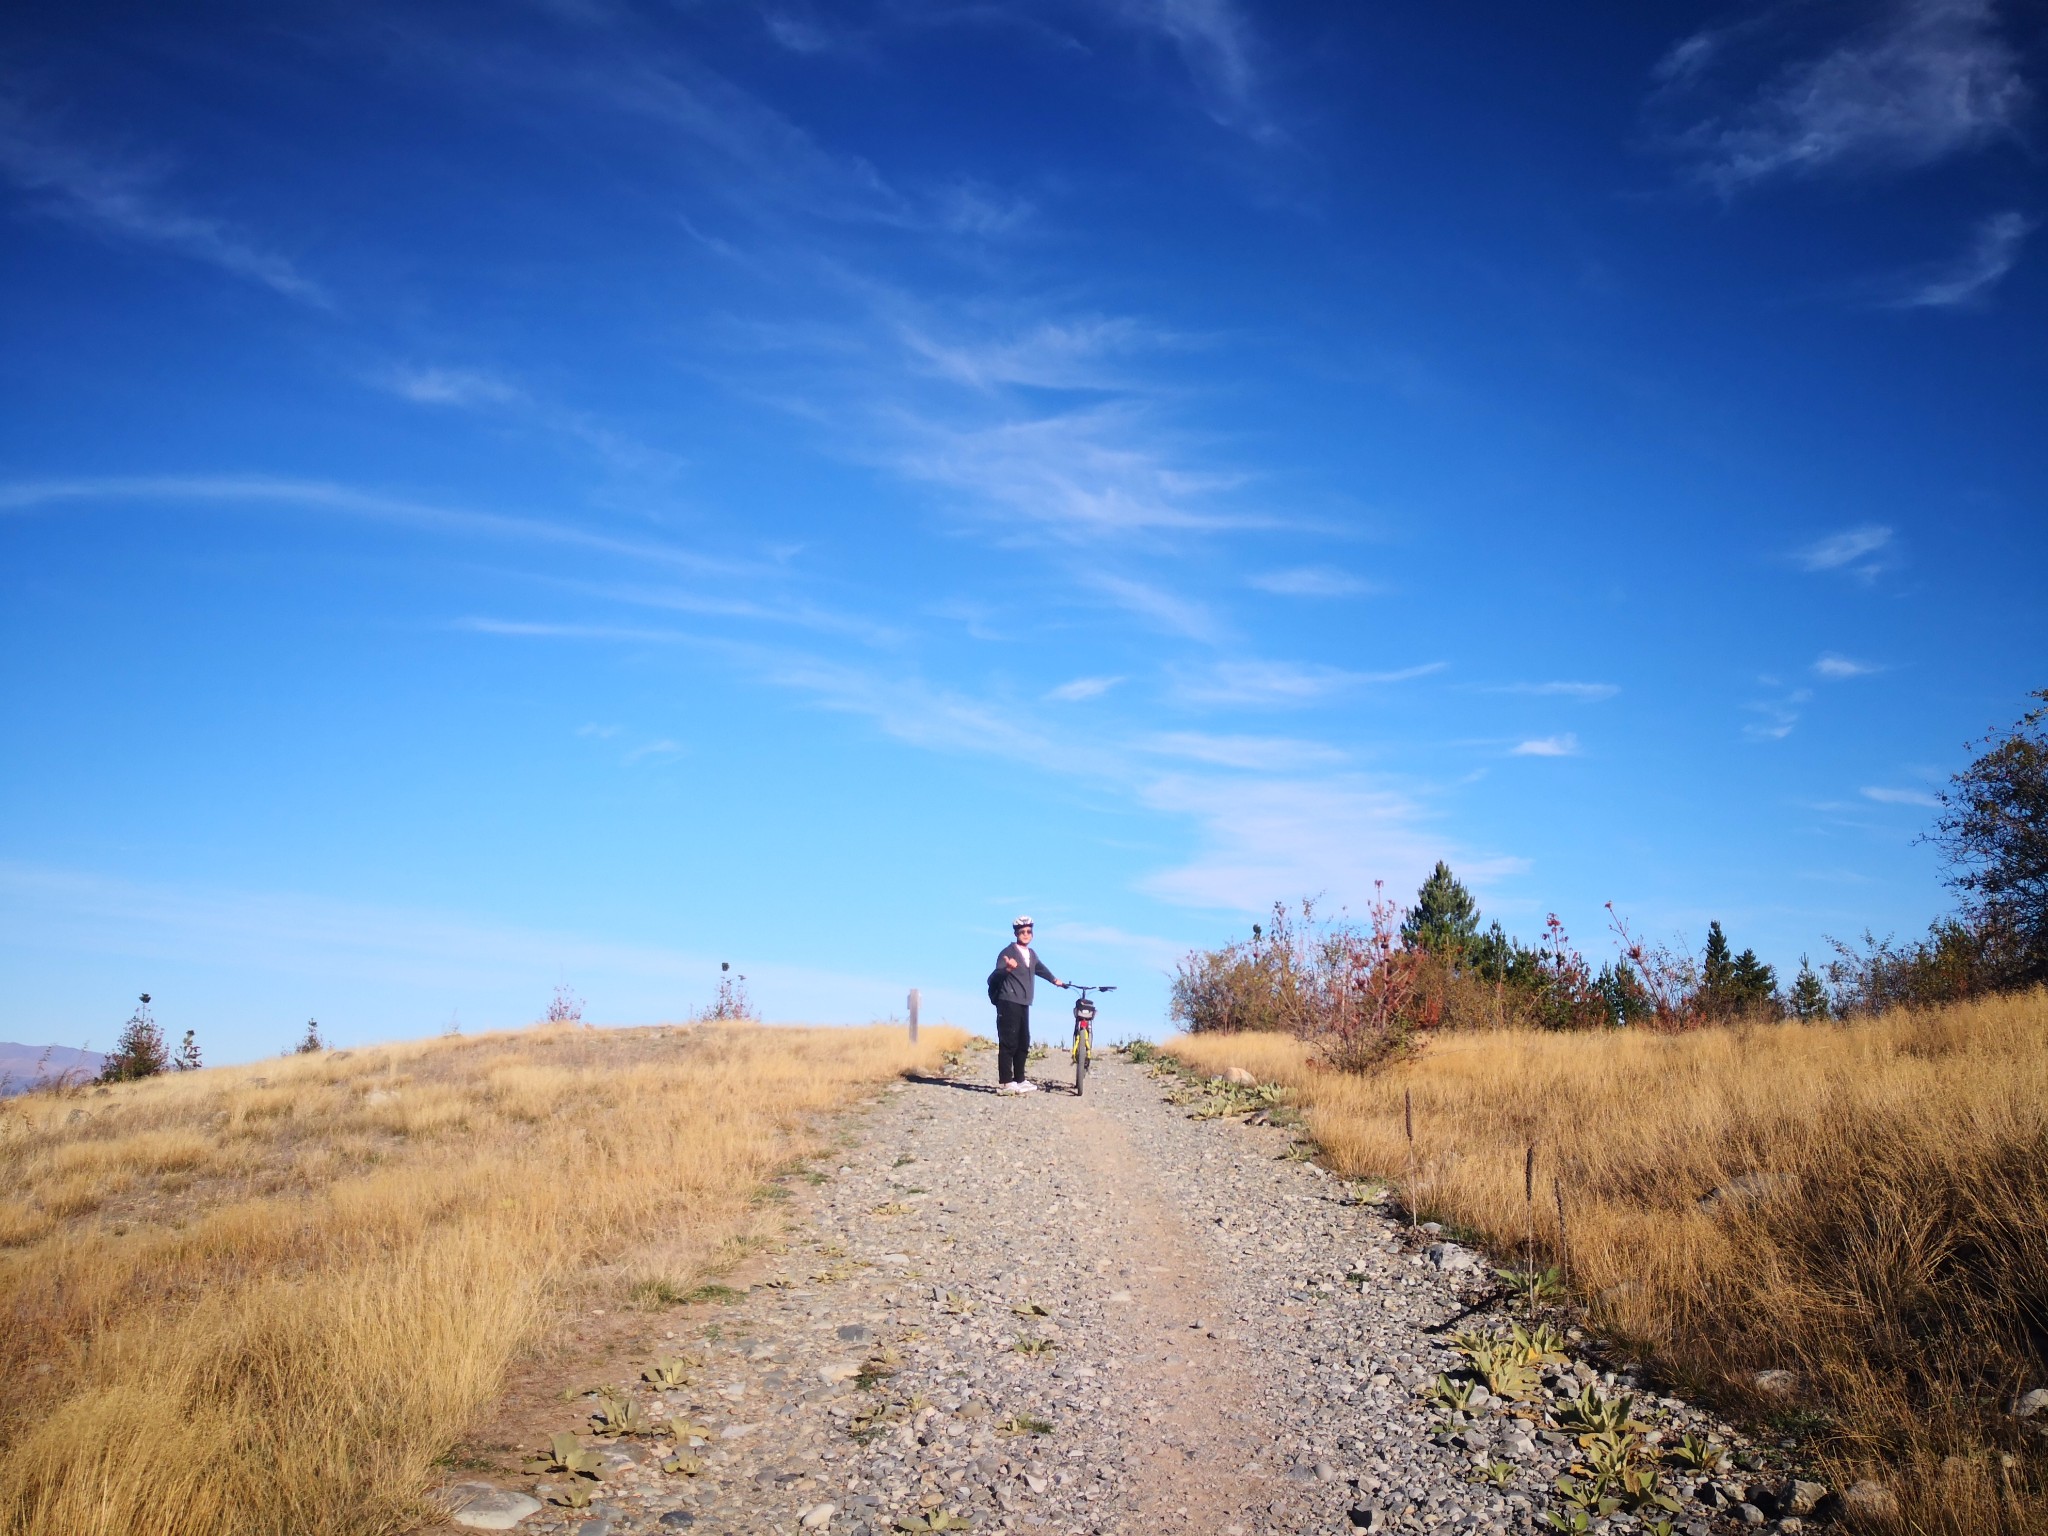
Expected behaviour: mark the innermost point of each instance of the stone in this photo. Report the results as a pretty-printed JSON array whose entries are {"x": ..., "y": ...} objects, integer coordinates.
[
  {"x": 1450, "y": 1256},
  {"x": 1867, "y": 1500},
  {"x": 1241, "y": 1078},
  {"x": 1749, "y": 1514},
  {"x": 486, "y": 1507},
  {"x": 2032, "y": 1404},
  {"x": 1801, "y": 1498},
  {"x": 1776, "y": 1383},
  {"x": 677, "y": 1520},
  {"x": 816, "y": 1517}
]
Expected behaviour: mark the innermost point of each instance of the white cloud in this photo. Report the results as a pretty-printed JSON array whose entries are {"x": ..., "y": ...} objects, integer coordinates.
[
  {"x": 1159, "y": 608},
  {"x": 1994, "y": 250},
  {"x": 1566, "y": 745},
  {"x": 452, "y": 386},
  {"x": 1285, "y": 682},
  {"x": 324, "y": 496},
  {"x": 1310, "y": 581},
  {"x": 126, "y": 200},
  {"x": 1216, "y": 45},
  {"x": 1776, "y": 718},
  {"x": 1847, "y": 548},
  {"x": 1900, "y": 796},
  {"x": 1075, "y": 353},
  {"x": 1095, "y": 473},
  {"x": 1268, "y": 754},
  {"x": 1267, "y": 840},
  {"x": 1924, "y": 81},
  {"x": 1589, "y": 693},
  {"x": 1082, "y": 688},
  {"x": 1834, "y": 667}
]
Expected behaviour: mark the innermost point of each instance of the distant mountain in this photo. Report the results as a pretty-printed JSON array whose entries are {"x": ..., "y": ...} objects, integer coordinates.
[{"x": 20, "y": 1065}]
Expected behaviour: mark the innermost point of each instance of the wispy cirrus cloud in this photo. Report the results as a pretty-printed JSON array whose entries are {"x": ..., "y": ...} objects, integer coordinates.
[
  {"x": 1776, "y": 718},
  {"x": 1863, "y": 552},
  {"x": 1922, "y": 82},
  {"x": 275, "y": 493},
  {"x": 1565, "y": 745},
  {"x": 129, "y": 200},
  {"x": 1884, "y": 796},
  {"x": 1218, "y": 48},
  {"x": 1266, "y": 754},
  {"x": 1965, "y": 282},
  {"x": 1081, "y": 689},
  {"x": 1267, "y": 683},
  {"x": 1835, "y": 667},
  {"x": 1158, "y": 608},
  {"x": 1311, "y": 581},
  {"x": 482, "y": 390}
]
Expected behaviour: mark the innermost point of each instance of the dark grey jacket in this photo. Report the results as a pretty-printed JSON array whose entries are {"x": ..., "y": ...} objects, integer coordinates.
[{"x": 1008, "y": 986}]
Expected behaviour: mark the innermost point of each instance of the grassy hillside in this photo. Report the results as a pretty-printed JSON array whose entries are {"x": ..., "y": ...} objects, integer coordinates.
[
  {"x": 267, "y": 1297},
  {"x": 1864, "y": 1205}
]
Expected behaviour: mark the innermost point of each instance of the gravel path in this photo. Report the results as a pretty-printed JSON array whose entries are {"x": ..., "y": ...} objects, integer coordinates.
[{"x": 1061, "y": 1314}]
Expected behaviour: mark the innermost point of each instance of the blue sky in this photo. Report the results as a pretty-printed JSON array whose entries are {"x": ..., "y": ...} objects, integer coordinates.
[{"x": 572, "y": 492}]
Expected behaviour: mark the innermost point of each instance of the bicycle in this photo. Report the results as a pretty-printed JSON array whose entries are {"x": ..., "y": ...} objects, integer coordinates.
[{"x": 1084, "y": 1034}]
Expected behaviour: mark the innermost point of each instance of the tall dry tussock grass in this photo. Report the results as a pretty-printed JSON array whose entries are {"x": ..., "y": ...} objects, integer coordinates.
[
  {"x": 266, "y": 1298},
  {"x": 1881, "y": 1228}
]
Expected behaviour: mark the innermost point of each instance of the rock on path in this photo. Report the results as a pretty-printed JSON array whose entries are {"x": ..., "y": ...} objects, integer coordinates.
[{"x": 1047, "y": 1313}]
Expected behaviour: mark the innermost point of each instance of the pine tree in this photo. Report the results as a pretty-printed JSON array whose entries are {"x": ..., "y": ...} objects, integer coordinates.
[
  {"x": 1809, "y": 998},
  {"x": 312, "y": 1042},
  {"x": 1717, "y": 966},
  {"x": 1445, "y": 918},
  {"x": 140, "y": 1050},
  {"x": 1752, "y": 985},
  {"x": 187, "y": 1059}
]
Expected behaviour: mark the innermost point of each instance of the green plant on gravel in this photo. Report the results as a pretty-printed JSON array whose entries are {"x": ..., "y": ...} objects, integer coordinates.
[
  {"x": 1454, "y": 1395},
  {"x": 872, "y": 1420},
  {"x": 618, "y": 1415},
  {"x": 722, "y": 1294},
  {"x": 1592, "y": 1413},
  {"x": 1541, "y": 1345},
  {"x": 570, "y": 1496},
  {"x": 681, "y": 1463},
  {"x": 1034, "y": 1346},
  {"x": 1587, "y": 1502},
  {"x": 1696, "y": 1453},
  {"x": 937, "y": 1520},
  {"x": 1030, "y": 1309},
  {"x": 1500, "y": 1473},
  {"x": 1021, "y": 1424},
  {"x": 564, "y": 1454},
  {"x": 1499, "y": 1362},
  {"x": 1533, "y": 1286},
  {"x": 876, "y": 1369},
  {"x": 667, "y": 1373},
  {"x": 1139, "y": 1051},
  {"x": 958, "y": 1306},
  {"x": 689, "y": 1432}
]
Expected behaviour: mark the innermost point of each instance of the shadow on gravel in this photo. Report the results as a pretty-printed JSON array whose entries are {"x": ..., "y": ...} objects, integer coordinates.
[{"x": 931, "y": 1080}]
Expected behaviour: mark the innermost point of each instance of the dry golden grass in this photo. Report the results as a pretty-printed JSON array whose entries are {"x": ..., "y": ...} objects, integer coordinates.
[
  {"x": 1889, "y": 1244},
  {"x": 266, "y": 1298}
]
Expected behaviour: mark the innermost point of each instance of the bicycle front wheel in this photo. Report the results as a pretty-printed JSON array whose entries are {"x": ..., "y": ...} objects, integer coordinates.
[{"x": 1080, "y": 1063}]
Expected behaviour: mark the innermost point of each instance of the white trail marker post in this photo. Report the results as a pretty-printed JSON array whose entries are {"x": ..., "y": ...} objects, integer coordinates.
[{"x": 913, "y": 1015}]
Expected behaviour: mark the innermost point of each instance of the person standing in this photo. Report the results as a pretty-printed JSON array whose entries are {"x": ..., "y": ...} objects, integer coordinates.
[{"x": 1010, "y": 986}]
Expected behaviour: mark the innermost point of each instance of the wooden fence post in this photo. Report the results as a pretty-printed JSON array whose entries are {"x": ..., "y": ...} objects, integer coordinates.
[{"x": 913, "y": 1015}]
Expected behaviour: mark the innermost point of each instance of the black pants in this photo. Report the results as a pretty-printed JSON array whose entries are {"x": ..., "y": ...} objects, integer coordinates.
[{"x": 1013, "y": 1040}]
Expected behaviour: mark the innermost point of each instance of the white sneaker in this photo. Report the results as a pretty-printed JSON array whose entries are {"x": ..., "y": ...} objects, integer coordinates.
[
  {"x": 1008, "y": 1088},
  {"x": 1027, "y": 1086}
]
